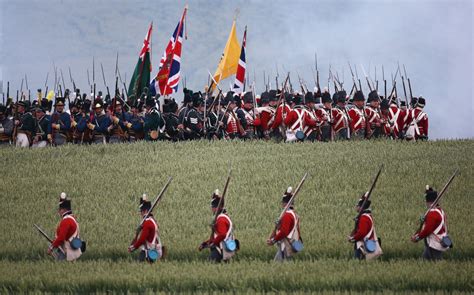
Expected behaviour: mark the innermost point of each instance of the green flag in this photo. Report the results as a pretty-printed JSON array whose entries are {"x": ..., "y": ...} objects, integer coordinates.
[{"x": 141, "y": 74}]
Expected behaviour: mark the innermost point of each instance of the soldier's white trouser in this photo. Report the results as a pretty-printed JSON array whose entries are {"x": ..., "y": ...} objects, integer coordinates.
[
  {"x": 22, "y": 140},
  {"x": 40, "y": 144}
]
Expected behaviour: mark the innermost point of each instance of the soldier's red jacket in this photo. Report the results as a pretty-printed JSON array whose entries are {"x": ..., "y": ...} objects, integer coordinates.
[
  {"x": 432, "y": 221},
  {"x": 279, "y": 120},
  {"x": 221, "y": 228},
  {"x": 147, "y": 234},
  {"x": 363, "y": 227},
  {"x": 294, "y": 122},
  {"x": 266, "y": 114},
  {"x": 287, "y": 224},
  {"x": 66, "y": 228},
  {"x": 357, "y": 119},
  {"x": 421, "y": 119},
  {"x": 340, "y": 119}
]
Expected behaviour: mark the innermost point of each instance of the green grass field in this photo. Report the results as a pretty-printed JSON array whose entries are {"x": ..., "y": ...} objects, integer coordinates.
[{"x": 105, "y": 183}]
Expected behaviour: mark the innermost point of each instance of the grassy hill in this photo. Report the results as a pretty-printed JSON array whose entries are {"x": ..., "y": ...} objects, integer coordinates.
[{"x": 105, "y": 183}]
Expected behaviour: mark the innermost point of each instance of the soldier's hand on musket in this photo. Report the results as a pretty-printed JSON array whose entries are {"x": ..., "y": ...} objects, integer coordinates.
[
  {"x": 73, "y": 123},
  {"x": 50, "y": 137},
  {"x": 90, "y": 126},
  {"x": 350, "y": 239},
  {"x": 17, "y": 122},
  {"x": 50, "y": 250},
  {"x": 415, "y": 238},
  {"x": 270, "y": 242},
  {"x": 221, "y": 124},
  {"x": 203, "y": 246},
  {"x": 56, "y": 126},
  {"x": 128, "y": 124},
  {"x": 115, "y": 120}
]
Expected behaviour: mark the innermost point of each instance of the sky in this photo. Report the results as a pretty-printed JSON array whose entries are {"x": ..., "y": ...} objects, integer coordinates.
[{"x": 433, "y": 39}]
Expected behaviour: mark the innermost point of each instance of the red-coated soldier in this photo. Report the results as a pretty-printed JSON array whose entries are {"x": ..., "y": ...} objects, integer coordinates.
[
  {"x": 402, "y": 119},
  {"x": 387, "y": 126},
  {"x": 311, "y": 134},
  {"x": 417, "y": 122},
  {"x": 222, "y": 232},
  {"x": 364, "y": 232},
  {"x": 340, "y": 117},
  {"x": 395, "y": 117},
  {"x": 233, "y": 128},
  {"x": 299, "y": 121},
  {"x": 149, "y": 242},
  {"x": 282, "y": 111},
  {"x": 67, "y": 230},
  {"x": 288, "y": 230},
  {"x": 357, "y": 116},
  {"x": 434, "y": 230},
  {"x": 266, "y": 113},
  {"x": 372, "y": 115}
]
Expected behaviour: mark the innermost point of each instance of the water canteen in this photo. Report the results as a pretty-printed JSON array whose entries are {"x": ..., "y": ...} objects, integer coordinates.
[
  {"x": 297, "y": 246},
  {"x": 152, "y": 255},
  {"x": 370, "y": 246}
]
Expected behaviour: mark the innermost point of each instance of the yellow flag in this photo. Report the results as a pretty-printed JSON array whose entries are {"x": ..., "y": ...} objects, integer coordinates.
[
  {"x": 230, "y": 58},
  {"x": 50, "y": 95}
]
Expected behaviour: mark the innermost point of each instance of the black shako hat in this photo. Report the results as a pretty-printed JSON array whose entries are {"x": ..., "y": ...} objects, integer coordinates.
[
  {"x": 431, "y": 194},
  {"x": 64, "y": 203},
  {"x": 144, "y": 203}
]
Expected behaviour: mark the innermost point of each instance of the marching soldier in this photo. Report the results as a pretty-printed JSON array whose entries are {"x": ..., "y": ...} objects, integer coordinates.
[
  {"x": 233, "y": 127},
  {"x": 341, "y": 118},
  {"x": 153, "y": 121},
  {"x": 288, "y": 231},
  {"x": 387, "y": 127},
  {"x": 135, "y": 122},
  {"x": 42, "y": 127},
  {"x": 366, "y": 243},
  {"x": 81, "y": 133},
  {"x": 278, "y": 126},
  {"x": 373, "y": 118},
  {"x": 417, "y": 122},
  {"x": 193, "y": 124},
  {"x": 299, "y": 121},
  {"x": 222, "y": 234},
  {"x": 311, "y": 134},
  {"x": 246, "y": 116},
  {"x": 171, "y": 132},
  {"x": 6, "y": 126},
  {"x": 434, "y": 230},
  {"x": 149, "y": 241},
  {"x": 119, "y": 118},
  {"x": 325, "y": 119},
  {"x": 60, "y": 123},
  {"x": 393, "y": 116},
  {"x": 183, "y": 112},
  {"x": 25, "y": 125},
  {"x": 99, "y": 123},
  {"x": 266, "y": 113},
  {"x": 357, "y": 116},
  {"x": 67, "y": 233},
  {"x": 215, "y": 124}
]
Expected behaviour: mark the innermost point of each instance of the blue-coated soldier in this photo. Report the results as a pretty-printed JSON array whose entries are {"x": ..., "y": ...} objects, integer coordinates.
[
  {"x": 193, "y": 124},
  {"x": 6, "y": 127},
  {"x": 153, "y": 121},
  {"x": 183, "y": 112},
  {"x": 119, "y": 118},
  {"x": 60, "y": 123},
  {"x": 135, "y": 121},
  {"x": 42, "y": 126},
  {"x": 170, "y": 109},
  {"x": 25, "y": 125},
  {"x": 99, "y": 123}
]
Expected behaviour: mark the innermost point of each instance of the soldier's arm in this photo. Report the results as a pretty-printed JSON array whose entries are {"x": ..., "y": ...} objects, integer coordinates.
[
  {"x": 221, "y": 229},
  {"x": 286, "y": 225},
  {"x": 241, "y": 117},
  {"x": 65, "y": 123},
  {"x": 147, "y": 230},
  {"x": 432, "y": 221}
]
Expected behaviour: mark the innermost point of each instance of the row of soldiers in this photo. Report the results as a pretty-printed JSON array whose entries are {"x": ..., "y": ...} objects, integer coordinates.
[
  {"x": 67, "y": 244},
  {"x": 272, "y": 115}
]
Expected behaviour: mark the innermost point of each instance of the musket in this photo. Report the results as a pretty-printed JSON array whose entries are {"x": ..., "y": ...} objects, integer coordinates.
[
  {"x": 105, "y": 84},
  {"x": 384, "y": 83},
  {"x": 60, "y": 253},
  {"x": 436, "y": 201},
  {"x": 46, "y": 82},
  {"x": 26, "y": 82},
  {"x": 155, "y": 202},
  {"x": 353, "y": 77},
  {"x": 366, "y": 78},
  {"x": 409, "y": 84},
  {"x": 121, "y": 81},
  {"x": 288, "y": 205},
  {"x": 93, "y": 73},
  {"x": 405, "y": 91},
  {"x": 367, "y": 196},
  {"x": 21, "y": 88},
  {"x": 62, "y": 78},
  {"x": 221, "y": 203},
  {"x": 88, "y": 78},
  {"x": 277, "y": 75},
  {"x": 72, "y": 80}
]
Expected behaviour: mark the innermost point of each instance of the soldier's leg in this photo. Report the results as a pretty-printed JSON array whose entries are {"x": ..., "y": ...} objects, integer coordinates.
[
  {"x": 142, "y": 256},
  {"x": 22, "y": 140},
  {"x": 279, "y": 256},
  {"x": 215, "y": 255},
  {"x": 358, "y": 253}
]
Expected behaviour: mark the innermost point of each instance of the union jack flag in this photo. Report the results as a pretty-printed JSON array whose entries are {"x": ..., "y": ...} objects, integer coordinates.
[
  {"x": 240, "y": 75},
  {"x": 167, "y": 79}
]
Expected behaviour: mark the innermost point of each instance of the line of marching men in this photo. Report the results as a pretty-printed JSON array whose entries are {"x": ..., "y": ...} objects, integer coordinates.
[
  {"x": 67, "y": 244},
  {"x": 272, "y": 115}
]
